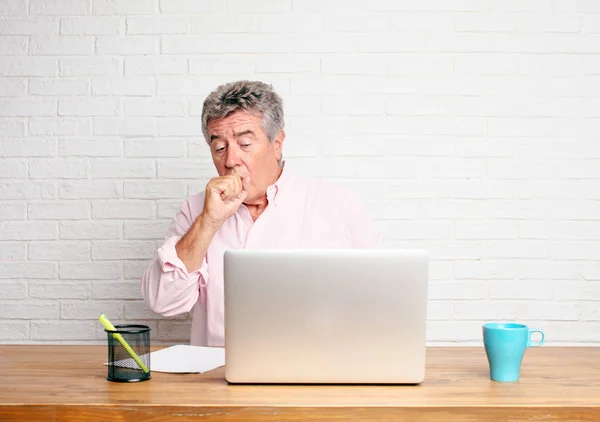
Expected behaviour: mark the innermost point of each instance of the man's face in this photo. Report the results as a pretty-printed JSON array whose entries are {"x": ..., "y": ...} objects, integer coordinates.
[{"x": 239, "y": 145}]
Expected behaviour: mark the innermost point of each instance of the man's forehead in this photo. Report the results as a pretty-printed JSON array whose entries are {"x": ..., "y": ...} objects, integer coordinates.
[{"x": 233, "y": 125}]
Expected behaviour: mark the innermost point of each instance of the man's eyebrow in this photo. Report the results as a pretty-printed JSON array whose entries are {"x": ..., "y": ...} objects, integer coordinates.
[
  {"x": 244, "y": 132},
  {"x": 213, "y": 137}
]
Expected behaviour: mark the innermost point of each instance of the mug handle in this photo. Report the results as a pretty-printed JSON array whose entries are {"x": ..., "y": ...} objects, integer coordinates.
[{"x": 537, "y": 343}]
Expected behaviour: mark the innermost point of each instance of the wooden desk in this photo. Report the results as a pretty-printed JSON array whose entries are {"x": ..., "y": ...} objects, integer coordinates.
[{"x": 68, "y": 383}]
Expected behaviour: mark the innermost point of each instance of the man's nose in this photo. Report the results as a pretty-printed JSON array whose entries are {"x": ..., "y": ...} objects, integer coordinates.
[{"x": 232, "y": 159}]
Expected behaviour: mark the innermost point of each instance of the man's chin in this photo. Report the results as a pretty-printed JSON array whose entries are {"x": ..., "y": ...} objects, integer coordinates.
[{"x": 246, "y": 183}]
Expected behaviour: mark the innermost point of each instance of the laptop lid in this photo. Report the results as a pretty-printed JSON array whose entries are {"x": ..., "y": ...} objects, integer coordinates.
[{"x": 325, "y": 316}]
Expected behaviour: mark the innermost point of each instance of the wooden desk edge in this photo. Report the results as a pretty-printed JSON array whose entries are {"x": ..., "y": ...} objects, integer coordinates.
[{"x": 144, "y": 412}]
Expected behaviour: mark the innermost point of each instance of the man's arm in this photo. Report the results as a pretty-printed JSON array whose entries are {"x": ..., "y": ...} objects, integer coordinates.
[
  {"x": 224, "y": 195},
  {"x": 192, "y": 247},
  {"x": 168, "y": 288},
  {"x": 171, "y": 284}
]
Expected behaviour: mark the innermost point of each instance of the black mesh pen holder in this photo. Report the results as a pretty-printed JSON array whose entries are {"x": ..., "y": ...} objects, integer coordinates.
[{"x": 129, "y": 353}]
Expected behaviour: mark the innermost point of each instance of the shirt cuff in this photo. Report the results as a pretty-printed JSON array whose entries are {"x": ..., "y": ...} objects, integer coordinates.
[{"x": 170, "y": 262}]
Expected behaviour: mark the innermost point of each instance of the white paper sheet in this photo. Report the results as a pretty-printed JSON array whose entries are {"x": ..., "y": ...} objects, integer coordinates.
[{"x": 182, "y": 359}]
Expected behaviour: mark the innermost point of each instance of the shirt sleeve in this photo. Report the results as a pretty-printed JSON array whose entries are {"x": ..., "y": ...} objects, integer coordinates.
[{"x": 167, "y": 287}]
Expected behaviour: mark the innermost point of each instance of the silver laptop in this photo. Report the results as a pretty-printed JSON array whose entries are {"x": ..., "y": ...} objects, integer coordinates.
[{"x": 339, "y": 316}]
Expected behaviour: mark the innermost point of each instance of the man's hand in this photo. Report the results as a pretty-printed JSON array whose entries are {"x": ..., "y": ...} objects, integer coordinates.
[{"x": 224, "y": 195}]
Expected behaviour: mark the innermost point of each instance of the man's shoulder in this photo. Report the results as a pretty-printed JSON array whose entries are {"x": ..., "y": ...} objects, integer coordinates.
[
  {"x": 193, "y": 205},
  {"x": 196, "y": 199},
  {"x": 330, "y": 190}
]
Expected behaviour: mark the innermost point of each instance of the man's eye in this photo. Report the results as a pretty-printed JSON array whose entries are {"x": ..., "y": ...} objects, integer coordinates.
[
  {"x": 246, "y": 145},
  {"x": 220, "y": 149}
]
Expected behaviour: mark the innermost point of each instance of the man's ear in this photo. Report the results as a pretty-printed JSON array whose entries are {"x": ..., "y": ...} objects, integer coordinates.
[{"x": 278, "y": 144}]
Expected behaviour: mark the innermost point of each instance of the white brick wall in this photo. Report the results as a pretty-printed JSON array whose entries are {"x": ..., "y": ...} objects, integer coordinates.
[{"x": 469, "y": 127}]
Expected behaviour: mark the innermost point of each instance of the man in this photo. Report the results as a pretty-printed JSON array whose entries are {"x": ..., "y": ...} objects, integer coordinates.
[{"x": 255, "y": 202}]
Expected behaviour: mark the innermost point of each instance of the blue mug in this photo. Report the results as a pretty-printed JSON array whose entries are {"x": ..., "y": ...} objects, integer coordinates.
[{"x": 505, "y": 345}]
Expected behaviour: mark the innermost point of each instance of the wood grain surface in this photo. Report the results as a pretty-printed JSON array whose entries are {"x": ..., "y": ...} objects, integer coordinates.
[{"x": 68, "y": 383}]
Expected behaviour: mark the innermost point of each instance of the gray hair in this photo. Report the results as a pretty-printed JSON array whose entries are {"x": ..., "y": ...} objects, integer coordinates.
[{"x": 253, "y": 96}]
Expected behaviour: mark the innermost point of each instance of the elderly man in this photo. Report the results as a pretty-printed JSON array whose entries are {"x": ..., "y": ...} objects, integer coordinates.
[{"x": 256, "y": 201}]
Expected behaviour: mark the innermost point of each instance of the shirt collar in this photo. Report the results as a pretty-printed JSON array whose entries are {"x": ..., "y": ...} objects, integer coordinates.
[{"x": 283, "y": 182}]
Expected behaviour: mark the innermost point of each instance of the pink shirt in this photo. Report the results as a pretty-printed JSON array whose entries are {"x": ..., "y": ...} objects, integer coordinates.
[{"x": 301, "y": 213}]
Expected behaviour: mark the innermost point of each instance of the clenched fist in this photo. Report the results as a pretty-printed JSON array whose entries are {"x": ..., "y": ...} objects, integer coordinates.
[{"x": 224, "y": 195}]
